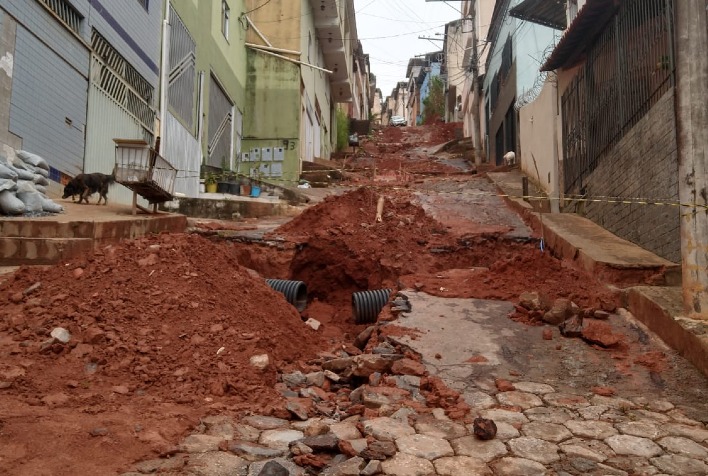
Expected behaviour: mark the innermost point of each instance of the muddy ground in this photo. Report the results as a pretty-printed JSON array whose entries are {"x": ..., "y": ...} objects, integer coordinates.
[{"x": 163, "y": 328}]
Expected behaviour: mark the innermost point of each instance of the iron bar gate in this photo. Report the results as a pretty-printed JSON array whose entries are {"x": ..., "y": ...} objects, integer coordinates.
[{"x": 628, "y": 69}]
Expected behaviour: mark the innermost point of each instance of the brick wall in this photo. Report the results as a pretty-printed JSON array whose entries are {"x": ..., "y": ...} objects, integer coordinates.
[{"x": 643, "y": 164}]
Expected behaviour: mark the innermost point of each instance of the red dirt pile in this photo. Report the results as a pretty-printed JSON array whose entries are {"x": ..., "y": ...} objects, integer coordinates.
[
  {"x": 346, "y": 250},
  {"x": 173, "y": 316},
  {"x": 342, "y": 249}
]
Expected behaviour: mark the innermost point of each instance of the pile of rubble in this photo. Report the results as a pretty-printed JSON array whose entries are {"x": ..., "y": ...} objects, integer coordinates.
[
  {"x": 573, "y": 321},
  {"x": 351, "y": 417},
  {"x": 378, "y": 412},
  {"x": 23, "y": 186}
]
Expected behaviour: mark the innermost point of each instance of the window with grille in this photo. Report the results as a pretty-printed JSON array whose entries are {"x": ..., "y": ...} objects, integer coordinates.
[
  {"x": 225, "y": 15},
  {"x": 66, "y": 12}
]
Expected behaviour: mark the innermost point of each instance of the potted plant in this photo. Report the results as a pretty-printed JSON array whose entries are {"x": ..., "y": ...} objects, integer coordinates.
[
  {"x": 222, "y": 183},
  {"x": 245, "y": 186},
  {"x": 210, "y": 183},
  {"x": 234, "y": 185}
]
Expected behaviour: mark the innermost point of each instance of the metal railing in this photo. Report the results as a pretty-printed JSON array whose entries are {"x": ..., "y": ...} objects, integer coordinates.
[{"x": 628, "y": 69}]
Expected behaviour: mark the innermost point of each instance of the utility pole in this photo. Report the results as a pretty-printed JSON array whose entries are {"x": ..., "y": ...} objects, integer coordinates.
[
  {"x": 692, "y": 141},
  {"x": 476, "y": 93}
]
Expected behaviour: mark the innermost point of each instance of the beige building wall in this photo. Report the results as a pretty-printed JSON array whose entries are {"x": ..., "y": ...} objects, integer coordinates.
[
  {"x": 482, "y": 11},
  {"x": 376, "y": 108},
  {"x": 539, "y": 136},
  {"x": 456, "y": 67}
]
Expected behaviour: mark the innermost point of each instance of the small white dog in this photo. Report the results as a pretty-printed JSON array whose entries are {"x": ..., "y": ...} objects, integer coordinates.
[{"x": 510, "y": 158}]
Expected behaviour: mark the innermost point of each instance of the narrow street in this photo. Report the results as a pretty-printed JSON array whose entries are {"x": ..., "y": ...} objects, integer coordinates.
[{"x": 492, "y": 356}]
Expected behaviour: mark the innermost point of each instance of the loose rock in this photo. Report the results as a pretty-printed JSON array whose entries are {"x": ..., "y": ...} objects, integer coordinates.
[
  {"x": 261, "y": 362},
  {"x": 484, "y": 429}
]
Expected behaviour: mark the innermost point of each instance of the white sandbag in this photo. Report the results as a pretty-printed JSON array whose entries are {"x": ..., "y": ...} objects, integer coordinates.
[
  {"x": 17, "y": 163},
  {"x": 44, "y": 173},
  {"x": 10, "y": 204},
  {"x": 41, "y": 189},
  {"x": 22, "y": 174},
  {"x": 33, "y": 159},
  {"x": 8, "y": 184},
  {"x": 32, "y": 201},
  {"x": 40, "y": 180},
  {"x": 26, "y": 186},
  {"x": 50, "y": 206},
  {"x": 7, "y": 173}
]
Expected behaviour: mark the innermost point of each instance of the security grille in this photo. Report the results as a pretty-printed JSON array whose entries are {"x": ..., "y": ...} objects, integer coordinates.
[
  {"x": 182, "y": 75},
  {"x": 628, "y": 69},
  {"x": 114, "y": 60},
  {"x": 112, "y": 74},
  {"x": 220, "y": 125},
  {"x": 66, "y": 12}
]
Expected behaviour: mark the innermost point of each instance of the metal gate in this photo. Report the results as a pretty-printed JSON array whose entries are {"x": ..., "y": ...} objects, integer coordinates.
[
  {"x": 628, "y": 69},
  {"x": 119, "y": 106},
  {"x": 182, "y": 74},
  {"x": 220, "y": 148},
  {"x": 181, "y": 146}
]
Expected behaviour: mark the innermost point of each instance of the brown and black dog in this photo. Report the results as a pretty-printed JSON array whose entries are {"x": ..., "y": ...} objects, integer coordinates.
[{"x": 85, "y": 185}]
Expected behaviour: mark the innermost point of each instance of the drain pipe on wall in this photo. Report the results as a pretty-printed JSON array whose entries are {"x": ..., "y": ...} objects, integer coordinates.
[{"x": 164, "y": 73}]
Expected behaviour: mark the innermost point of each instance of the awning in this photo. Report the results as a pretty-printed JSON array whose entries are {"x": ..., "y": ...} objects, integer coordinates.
[
  {"x": 549, "y": 13},
  {"x": 581, "y": 33}
]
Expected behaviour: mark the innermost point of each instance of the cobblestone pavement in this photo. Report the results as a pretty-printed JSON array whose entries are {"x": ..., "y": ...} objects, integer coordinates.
[
  {"x": 546, "y": 433},
  {"x": 381, "y": 417}
]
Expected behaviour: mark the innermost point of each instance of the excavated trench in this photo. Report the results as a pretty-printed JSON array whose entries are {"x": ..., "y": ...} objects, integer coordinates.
[{"x": 336, "y": 251}]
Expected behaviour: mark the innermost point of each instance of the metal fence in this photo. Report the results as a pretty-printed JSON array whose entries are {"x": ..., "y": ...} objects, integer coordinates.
[
  {"x": 183, "y": 73},
  {"x": 627, "y": 70}
]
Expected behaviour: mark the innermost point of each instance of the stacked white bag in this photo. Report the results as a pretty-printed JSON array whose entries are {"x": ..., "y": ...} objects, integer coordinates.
[{"x": 23, "y": 185}]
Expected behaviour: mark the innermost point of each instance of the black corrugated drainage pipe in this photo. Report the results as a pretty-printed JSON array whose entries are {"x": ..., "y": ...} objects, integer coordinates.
[
  {"x": 294, "y": 291},
  {"x": 367, "y": 305}
]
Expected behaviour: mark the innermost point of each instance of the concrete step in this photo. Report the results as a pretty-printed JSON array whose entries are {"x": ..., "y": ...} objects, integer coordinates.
[
  {"x": 17, "y": 251},
  {"x": 591, "y": 247},
  {"x": 78, "y": 231},
  {"x": 604, "y": 254},
  {"x": 18, "y": 228}
]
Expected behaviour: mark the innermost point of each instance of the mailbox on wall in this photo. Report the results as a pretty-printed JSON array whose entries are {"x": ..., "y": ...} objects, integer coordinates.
[{"x": 267, "y": 154}]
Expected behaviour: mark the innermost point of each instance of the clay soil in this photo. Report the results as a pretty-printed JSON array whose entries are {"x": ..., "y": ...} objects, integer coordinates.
[
  {"x": 162, "y": 332},
  {"x": 163, "y": 328}
]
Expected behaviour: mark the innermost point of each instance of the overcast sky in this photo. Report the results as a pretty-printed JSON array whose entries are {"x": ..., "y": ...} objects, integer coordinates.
[{"x": 389, "y": 31}]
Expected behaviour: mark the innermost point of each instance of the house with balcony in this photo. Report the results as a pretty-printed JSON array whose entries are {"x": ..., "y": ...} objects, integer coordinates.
[
  {"x": 300, "y": 65},
  {"x": 377, "y": 108},
  {"x": 204, "y": 83},
  {"x": 415, "y": 73},
  {"x": 362, "y": 95},
  {"x": 516, "y": 52},
  {"x": 454, "y": 70},
  {"x": 420, "y": 71},
  {"x": 78, "y": 73},
  {"x": 476, "y": 21}
]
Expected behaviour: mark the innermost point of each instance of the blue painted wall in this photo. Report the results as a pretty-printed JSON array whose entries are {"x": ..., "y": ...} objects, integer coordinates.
[
  {"x": 425, "y": 88},
  {"x": 48, "y": 103}
]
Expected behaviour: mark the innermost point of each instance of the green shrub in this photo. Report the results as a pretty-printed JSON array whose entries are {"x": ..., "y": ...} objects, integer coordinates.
[
  {"x": 342, "y": 130},
  {"x": 434, "y": 104}
]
